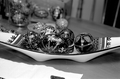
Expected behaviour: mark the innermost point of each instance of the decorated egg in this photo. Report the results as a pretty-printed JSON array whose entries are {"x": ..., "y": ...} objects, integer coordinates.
[
  {"x": 68, "y": 37},
  {"x": 62, "y": 23},
  {"x": 84, "y": 43},
  {"x": 41, "y": 13},
  {"x": 54, "y": 44},
  {"x": 31, "y": 41},
  {"x": 57, "y": 13}
]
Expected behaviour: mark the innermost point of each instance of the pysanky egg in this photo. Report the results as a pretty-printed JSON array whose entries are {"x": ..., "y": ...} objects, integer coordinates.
[
  {"x": 57, "y": 13},
  {"x": 84, "y": 43},
  {"x": 31, "y": 41},
  {"x": 62, "y": 23},
  {"x": 41, "y": 13},
  {"x": 68, "y": 35},
  {"x": 54, "y": 44}
]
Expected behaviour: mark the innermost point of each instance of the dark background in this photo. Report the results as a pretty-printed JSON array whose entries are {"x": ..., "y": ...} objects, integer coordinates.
[{"x": 110, "y": 13}]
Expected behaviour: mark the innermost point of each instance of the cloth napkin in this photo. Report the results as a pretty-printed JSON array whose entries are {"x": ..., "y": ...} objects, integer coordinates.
[{"x": 16, "y": 70}]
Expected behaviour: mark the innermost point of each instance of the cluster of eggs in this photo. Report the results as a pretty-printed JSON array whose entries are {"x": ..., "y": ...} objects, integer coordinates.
[
  {"x": 54, "y": 39},
  {"x": 49, "y": 38}
]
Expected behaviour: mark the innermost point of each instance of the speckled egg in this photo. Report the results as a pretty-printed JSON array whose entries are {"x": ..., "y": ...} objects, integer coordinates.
[{"x": 62, "y": 23}]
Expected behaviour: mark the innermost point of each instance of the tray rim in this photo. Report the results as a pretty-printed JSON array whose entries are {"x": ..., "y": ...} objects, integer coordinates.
[
  {"x": 45, "y": 57},
  {"x": 60, "y": 54}
]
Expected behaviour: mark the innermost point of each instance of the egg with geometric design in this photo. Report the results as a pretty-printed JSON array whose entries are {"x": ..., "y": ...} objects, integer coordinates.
[{"x": 84, "y": 43}]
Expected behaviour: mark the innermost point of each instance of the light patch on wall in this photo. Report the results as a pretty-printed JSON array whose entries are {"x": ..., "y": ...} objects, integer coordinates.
[{"x": 50, "y": 2}]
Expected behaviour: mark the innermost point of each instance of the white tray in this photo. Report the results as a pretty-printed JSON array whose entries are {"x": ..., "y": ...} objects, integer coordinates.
[{"x": 41, "y": 56}]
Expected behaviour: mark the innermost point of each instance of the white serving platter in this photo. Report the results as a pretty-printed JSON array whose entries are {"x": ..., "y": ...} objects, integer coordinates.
[{"x": 105, "y": 45}]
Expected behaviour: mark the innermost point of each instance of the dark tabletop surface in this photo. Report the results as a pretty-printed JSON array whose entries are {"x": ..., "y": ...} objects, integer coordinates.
[{"x": 106, "y": 66}]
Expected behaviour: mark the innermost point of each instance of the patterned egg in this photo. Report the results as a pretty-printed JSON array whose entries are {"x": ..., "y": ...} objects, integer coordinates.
[
  {"x": 31, "y": 41},
  {"x": 68, "y": 37},
  {"x": 54, "y": 44},
  {"x": 62, "y": 23},
  {"x": 57, "y": 13},
  {"x": 41, "y": 13},
  {"x": 84, "y": 43}
]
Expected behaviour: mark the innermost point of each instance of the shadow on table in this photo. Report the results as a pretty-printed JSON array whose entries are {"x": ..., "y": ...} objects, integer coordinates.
[
  {"x": 15, "y": 56},
  {"x": 106, "y": 58}
]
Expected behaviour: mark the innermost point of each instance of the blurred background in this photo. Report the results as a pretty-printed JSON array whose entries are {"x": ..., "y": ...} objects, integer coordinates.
[{"x": 100, "y": 11}]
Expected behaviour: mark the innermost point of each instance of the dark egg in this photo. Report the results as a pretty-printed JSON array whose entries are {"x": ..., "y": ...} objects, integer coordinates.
[
  {"x": 31, "y": 41},
  {"x": 84, "y": 43},
  {"x": 68, "y": 36}
]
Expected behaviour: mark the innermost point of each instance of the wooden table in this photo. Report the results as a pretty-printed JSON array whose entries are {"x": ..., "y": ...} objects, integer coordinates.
[{"x": 104, "y": 67}]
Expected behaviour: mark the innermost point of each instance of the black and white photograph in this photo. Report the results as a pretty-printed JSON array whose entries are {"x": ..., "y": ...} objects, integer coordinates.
[{"x": 59, "y": 39}]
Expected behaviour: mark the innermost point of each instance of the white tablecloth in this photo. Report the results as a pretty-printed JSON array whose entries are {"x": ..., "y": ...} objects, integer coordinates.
[{"x": 16, "y": 70}]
